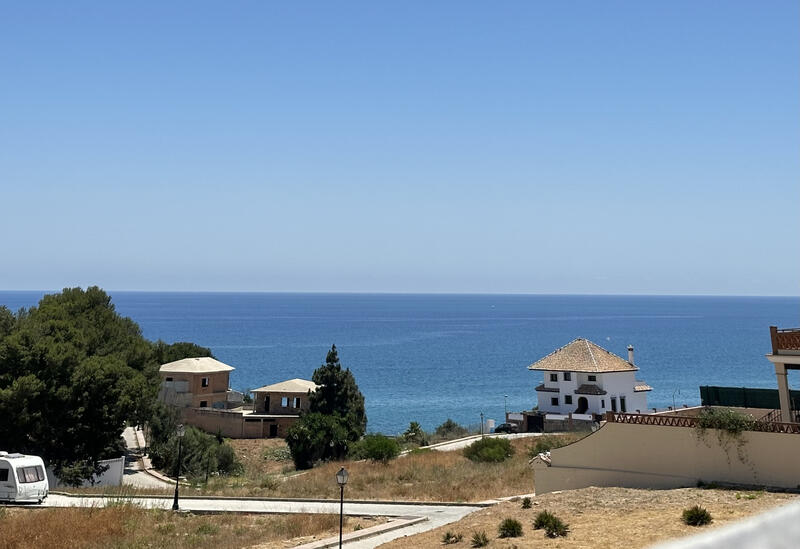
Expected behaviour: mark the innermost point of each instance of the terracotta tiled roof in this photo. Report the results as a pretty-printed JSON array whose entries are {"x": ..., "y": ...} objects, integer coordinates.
[
  {"x": 641, "y": 386},
  {"x": 581, "y": 355},
  {"x": 541, "y": 387},
  {"x": 589, "y": 389}
]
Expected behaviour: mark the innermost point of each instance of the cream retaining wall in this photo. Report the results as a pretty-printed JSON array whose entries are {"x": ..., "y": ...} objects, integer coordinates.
[{"x": 654, "y": 456}]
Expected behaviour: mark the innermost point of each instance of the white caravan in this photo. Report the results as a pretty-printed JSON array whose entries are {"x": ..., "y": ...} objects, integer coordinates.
[{"x": 22, "y": 478}]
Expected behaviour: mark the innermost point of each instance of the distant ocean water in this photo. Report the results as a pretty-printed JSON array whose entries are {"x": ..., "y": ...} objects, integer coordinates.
[{"x": 431, "y": 357}]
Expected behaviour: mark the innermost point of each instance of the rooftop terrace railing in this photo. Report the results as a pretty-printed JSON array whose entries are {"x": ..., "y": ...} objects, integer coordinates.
[
  {"x": 784, "y": 340},
  {"x": 693, "y": 421}
]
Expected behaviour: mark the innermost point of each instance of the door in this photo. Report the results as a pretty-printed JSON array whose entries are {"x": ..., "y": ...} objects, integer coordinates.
[
  {"x": 583, "y": 405},
  {"x": 266, "y": 404},
  {"x": 8, "y": 488},
  {"x": 273, "y": 430}
]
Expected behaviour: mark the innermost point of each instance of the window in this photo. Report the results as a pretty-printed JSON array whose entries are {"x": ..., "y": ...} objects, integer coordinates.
[
  {"x": 592, "y": 378},
  {"x": 204, "y": 382},
  {"x": 296, "y": 402},
  {"x": 3, "y": 475},
  {"x": 613, "y": 404},
  {"x": 168, "y": 379},
  {"x": 204, "y": 404},
  {"x": 285, "y": 402},
  {"x": 622, "y": 405},
  {"x": 567, "y": 376},
  {"x": 30, "y": 474},
  {"x": 553, "y": 377},
  {"x": 567, "y": 399},
  {"x": 602, "y": 403},
  {"x": 554, "y": 401}
]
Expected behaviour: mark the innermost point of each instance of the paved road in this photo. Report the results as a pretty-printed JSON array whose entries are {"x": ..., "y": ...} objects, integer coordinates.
[
  {"x": 464, "y": 442},
  {"x": 437, "y": 515}
]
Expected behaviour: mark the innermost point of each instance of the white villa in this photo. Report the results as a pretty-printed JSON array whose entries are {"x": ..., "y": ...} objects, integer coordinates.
[{"x": 583, "y": 378}]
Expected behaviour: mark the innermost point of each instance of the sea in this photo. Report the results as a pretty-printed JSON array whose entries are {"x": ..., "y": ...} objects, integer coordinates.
[{"x": 430, "y": 357}]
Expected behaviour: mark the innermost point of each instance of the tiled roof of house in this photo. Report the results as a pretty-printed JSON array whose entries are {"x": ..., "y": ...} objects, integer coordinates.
[
  {"x": 290, "y": 386},
  {"x": 581, "y": 355},
  {"x": 542, "y": 387},
  {"x": 200, "y": 365},
  {"x": 641, "y": 386},
  {"x": 589, "y": 389}
]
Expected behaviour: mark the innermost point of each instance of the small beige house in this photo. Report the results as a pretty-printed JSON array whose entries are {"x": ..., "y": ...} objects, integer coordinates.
[
  {"x": 285, "y": 398},
  {"x": 201, "y": 382}
]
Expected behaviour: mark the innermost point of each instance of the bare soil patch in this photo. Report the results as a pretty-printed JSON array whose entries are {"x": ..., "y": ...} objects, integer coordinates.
[{"x": 611, "y": 518}]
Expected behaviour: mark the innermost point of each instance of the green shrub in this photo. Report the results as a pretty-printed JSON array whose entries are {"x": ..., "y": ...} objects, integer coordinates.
[
  {"x": 556, "y": 528},
  {"x": 415, "y": 435},
  {"x": 526, "y": 502},
  {"x": 552, "y": 525},
  {"x": 543, "y": 518},
  {"x": 316, "y": 436},
  {"x": 376, "y": 448},
  {"x": 489, "y": 450},
  {"x": 510, "y": 528},
  {"x": 725, "y": 419},
  {"x": 545, "y": 443},
  {"x": 450, "y": 538},
  {"x": 479, "y": 539},
  {"x": 696, "y": 516},
  {"x": 451, "y": 429}
]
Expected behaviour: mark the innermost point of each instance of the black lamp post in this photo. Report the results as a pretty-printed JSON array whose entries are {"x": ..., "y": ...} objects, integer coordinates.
[
  {"x": 505, "y": 406},
  {"x": 180, "y": 430},
  {"x": 341, "y": 479}
]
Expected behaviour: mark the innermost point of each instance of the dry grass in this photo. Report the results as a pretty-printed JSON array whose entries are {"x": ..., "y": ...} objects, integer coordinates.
[
  {"x": 132, "y": 527},
  {"x": 611, "y": 518},
  {"x": 429, "y": 476}
]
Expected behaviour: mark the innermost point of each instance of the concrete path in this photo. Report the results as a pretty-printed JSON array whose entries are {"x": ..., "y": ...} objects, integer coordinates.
[
  {"x": 434, "y": 515},
  {"x": 135, "y": 474},
  {"x": 460, "y": 443}
]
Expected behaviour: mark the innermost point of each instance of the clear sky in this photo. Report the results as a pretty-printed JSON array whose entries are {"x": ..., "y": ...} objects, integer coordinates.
[{"x": 538, "y": 147}]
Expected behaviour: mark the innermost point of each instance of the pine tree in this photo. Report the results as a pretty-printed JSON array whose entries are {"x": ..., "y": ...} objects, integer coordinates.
[{"x": 339, "y": 395}]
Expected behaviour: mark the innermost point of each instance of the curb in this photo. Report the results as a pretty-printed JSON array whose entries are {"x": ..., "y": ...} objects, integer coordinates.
[
  {"x": 288, "y": 500},
  {"x": 390, "y": 526}
]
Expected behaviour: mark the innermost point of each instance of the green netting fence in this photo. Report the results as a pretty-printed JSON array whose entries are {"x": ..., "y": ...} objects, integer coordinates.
[{"x": 745, "y": 397}]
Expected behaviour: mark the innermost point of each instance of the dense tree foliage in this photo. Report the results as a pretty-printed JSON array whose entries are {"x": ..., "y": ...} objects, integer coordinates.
[
  {"x": 315, "y": 437},
  {"x": 339, "y": 395},
  {"x": 72, "y": 373},
  {"x": 336, "y": 419},
  {"x": 201, "y": 453}
]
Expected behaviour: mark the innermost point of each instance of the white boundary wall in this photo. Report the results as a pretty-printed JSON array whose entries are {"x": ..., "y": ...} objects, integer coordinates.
[{"x": 655, "y": 456}]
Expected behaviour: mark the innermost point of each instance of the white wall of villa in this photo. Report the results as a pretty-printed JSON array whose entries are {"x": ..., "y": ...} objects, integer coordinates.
[
  {"x": 619, "y": 388},
  {"x": 582, "y": 377}
]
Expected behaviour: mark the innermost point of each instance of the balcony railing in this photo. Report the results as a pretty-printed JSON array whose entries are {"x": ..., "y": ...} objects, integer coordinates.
[{"x": 784, "y": 340}]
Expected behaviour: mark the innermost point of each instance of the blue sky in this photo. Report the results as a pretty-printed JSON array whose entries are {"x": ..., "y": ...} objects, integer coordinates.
[{"x": 537, "y": 147}]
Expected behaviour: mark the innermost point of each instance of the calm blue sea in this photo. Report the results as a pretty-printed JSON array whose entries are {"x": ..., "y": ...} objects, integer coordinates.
[{"x": 432, "y": 357}]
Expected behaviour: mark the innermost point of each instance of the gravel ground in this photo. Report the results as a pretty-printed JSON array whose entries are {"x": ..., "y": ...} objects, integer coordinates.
[{"x": 605, "y": 517}]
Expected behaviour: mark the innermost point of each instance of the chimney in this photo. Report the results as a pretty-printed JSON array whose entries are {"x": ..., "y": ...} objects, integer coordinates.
[{"x": 630, "y": 354}]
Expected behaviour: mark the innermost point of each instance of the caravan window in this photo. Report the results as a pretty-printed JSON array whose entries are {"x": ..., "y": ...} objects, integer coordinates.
[
  {"x": 30, "y": 474},
  {"x": 3, "y": 475}
]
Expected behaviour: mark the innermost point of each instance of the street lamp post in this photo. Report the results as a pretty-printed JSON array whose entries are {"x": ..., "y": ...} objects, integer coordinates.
[
  {"x": 481, "y": 424},
  {"x": 180, "y": 430},
  {"x": 341, "y": 479},
  {"x": 505, "y": 406}
]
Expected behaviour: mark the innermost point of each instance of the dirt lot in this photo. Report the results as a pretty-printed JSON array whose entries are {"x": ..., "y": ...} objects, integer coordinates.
[{"x": 605, "y": 517}]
